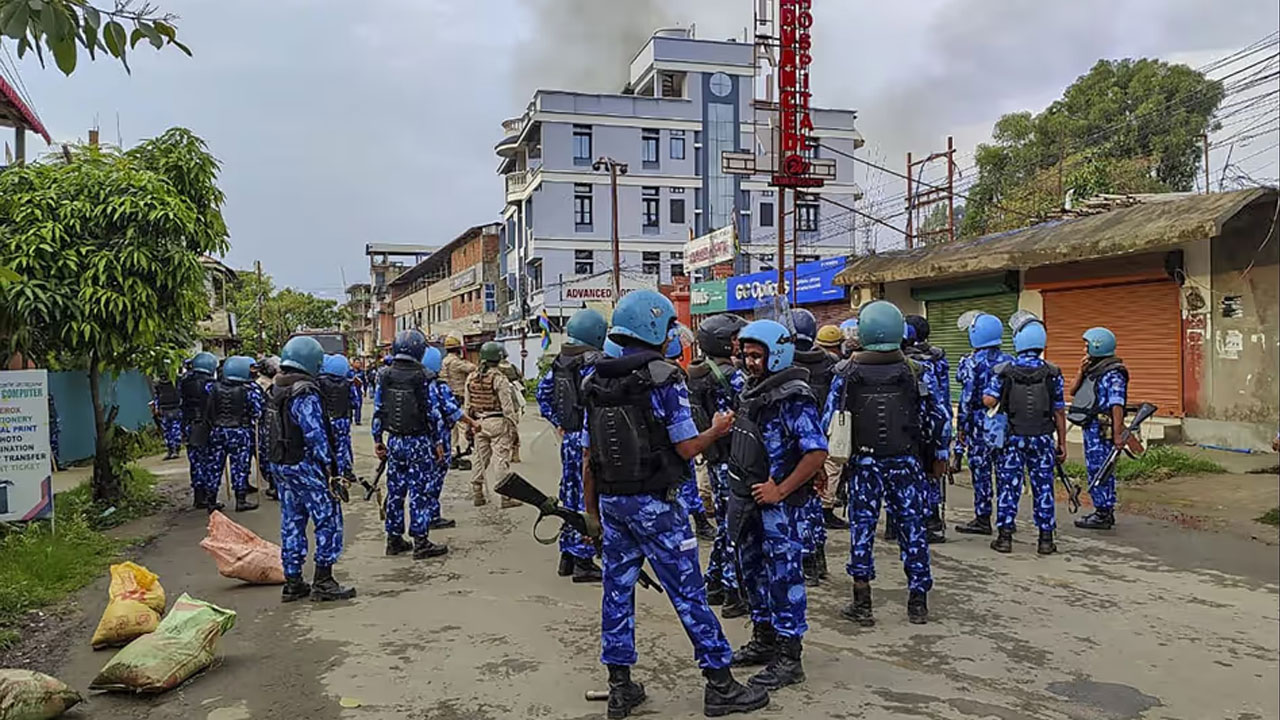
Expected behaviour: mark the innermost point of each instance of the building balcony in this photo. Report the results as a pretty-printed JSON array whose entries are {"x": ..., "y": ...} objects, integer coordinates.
[{"x": 519, "y": 181}]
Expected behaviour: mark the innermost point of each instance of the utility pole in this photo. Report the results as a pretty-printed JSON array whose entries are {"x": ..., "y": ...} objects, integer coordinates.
[
  {"x": 911, "y": 209},
  {"x": 1205, "y": 136},
  {"x": 615, "y": 169},
  {"x": 782, "y": 237},
  {"x": 262, "y": 328},
  {"x": 951, "y": 187},
  {"x": 795, "y": 247}
]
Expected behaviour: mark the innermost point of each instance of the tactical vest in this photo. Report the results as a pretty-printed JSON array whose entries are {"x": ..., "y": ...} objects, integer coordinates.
[
  {"x": 404, "y": 402},
  {"x": 484, "y": 398},
  {"x": 566, "y": 379},
  {"x": 706, "y": 388},
  {"x": 630, "y": 450},
  {"x": 335, "y": 393},
  {"x": 748, "y": 457},
  {"x": 1027, "y": 397},
  {"x": 229, "y": 405},
  {"x": 821, "y": 367},
  {"x": 285, "y": 443},
  {"x": 191, "y": 387},
  {"x": 167, "y": 397},
  {"x": 885, "y": 403},
  {"x": 1084, "y": 404}
]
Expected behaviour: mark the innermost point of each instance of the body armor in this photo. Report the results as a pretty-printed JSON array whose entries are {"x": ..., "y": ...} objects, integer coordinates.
[
  {"x": 821, "y": 367},
  {"x": 335, "y": 393},
  {"x": 1027, "y": 397},
  {"x": 167, "y": 397},
  {"x": 706, "y": 387},
  {"x": 748, "y": 456},
  {"x": 404, "y": 402},
  {"x": 285, "y": 442},
  {"x": 1084, "y": 404},
  {"x": 885, "y": 403},
  {"x": 630, "y": 452},
  {"x": 483, "y": 397},
  {"x": 229, "y": 405},
  {"x": 566, "y": 378},
  {"x": 191, "y": 388}
]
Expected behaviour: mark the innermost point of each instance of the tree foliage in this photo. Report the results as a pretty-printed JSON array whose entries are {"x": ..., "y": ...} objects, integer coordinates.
[
  {"x": 1128, "y": 126},
  {"x": 284, "y": 312},
  {"x": 65, "y": 27}
]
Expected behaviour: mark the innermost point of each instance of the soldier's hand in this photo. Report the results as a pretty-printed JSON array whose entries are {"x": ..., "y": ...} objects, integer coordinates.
[
  {"x": 380, "y": 450},
  {"x": 938, "y": 468},
  {"x": 722, "y": 423},
  {"x": 440, "y": 452},
  {"x": 1061, "y": 453},
  {"x": 594, "y": 530},
  {"x": 1084, "y": 362},
  {"x": 820, "y": 481},
  {"x": 767, "y": 493}
]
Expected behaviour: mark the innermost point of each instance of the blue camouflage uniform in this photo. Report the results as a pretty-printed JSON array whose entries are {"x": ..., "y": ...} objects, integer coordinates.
[
  {"x": 409, "y": 461},
  {"x": 1035, "y": 453},
  {"x": 636, "y": 527},
  {"x": 941, "y": 371},
  {"x": 571, "y": 444},
  {"x": 197, "y": 456},
  {"x": 973, "y": 376},
  {"x": 1112, "y": 390},
  {"x": 357, "y": 397},
  {"x": 450, "y": 410},
  {"x": 234, "y": 444},
  {"x": 723, "y": 560},
  {"x": 171, "y": 427},
  {"x": 340, "y": 433},
  {"x": 304, "y": 493},
  {"x": 770, "y": 551},
  {"x": 898, "y": 483}
]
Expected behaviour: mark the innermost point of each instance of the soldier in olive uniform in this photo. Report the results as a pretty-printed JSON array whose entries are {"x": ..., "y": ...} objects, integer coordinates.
[{"x": 489, "y": 401}]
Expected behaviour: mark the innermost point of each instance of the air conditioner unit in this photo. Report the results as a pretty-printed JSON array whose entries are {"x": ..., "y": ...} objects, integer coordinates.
[{"x": 862, "y": 294}]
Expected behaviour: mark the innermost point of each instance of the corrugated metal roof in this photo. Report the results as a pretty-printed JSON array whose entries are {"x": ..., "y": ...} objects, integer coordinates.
[
  {"x": 1140, "y": 228},
  {"x": 18, "y": 112}
]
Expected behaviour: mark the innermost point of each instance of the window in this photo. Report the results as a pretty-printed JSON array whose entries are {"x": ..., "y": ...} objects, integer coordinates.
[
  {"x": 677, "y": 255},
  {"x": 677, "y": 211},
  {"x": 677, "y": 269},
  {"x": 584, "y": 262},
  {"x": 582, "y": 208},
  {"x": 649, "y": 147},
  {"x": 650, "y": 210},
  {"x": 766, "y": 214},
  {"x": 581, "y": 144},
  {"x": 490, "y": 298},
  {"x": 807, "y": 214},
  {"x": 652, "y": 263},
  {"x": 677, "y": 144}
]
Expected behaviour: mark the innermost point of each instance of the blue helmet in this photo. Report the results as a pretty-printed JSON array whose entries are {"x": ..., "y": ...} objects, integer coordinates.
[
  {"x": 204, "y": 362},
  {"x": 409, "y": 345},
  {"x": 1031, "y": 336},
  {"x": 645, "y": 315},
  {"x": 433, "y": 359},
  {"x": 336, "y": 365},
  {"x": 908, "y": 333},
  {"x": 302, "y": 353},
  {"x": 587, "y": 327},
  {"x": 806, "y": 326},
  {"x": 612, "y": 349},
  {"x": 1100, "y": 341},
  {"x": 880, "y": 326},
  {"x": 850, "y": 324},
  {"x": 237, "y": 368},
  {"x": 676, "y": 341},
  {"x": 776, "y": 339},
  {"x": 986, "y": 331}
]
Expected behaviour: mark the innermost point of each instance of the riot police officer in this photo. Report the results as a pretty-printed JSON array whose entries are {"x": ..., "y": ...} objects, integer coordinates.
[
  {"x": 234, "y": 404},
  {"x": 1098, "y": 400},
  {"x": 341, "y": 398},
  {"x": 449, "y": 406},
  {"x": 915, "y": 345},
  {"x": 820, "y": 504},
  {"x": 559, "y": 396},
  {"x": 300, "y": 457},
  {"x": 166, "y": 406},
  {"x": 268, "y": 368},
  {"x": 639, "y": 438},
  {"x": 193, "y": 387},
  {"x": 986, "y": 332}
]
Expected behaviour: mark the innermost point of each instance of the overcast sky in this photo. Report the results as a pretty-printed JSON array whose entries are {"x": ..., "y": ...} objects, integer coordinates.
[{"x": 342, "y": 123}]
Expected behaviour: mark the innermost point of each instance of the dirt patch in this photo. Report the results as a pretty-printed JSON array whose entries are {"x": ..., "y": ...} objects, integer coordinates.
[{"x": 1222, "y": 502}]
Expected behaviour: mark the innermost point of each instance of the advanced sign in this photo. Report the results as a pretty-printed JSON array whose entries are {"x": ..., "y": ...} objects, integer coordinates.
[
  {"x": 795, "y": 124},
  {"x": 600, "y": 287},
  {"x": 817, "y": 285},
  {"x": 711, "y": 249},
  {"x": 25, "y": 457}
]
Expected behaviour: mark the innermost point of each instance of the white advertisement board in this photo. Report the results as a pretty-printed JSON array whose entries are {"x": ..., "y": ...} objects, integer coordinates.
[
  {"x": 711, "y": 249},
  {"x": 26, "y": 488}
]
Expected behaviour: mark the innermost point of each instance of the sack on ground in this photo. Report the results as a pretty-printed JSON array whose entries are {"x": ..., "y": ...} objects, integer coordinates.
[
  {"x": 29, "y": 695},
  {"x": 135, "y": 602},
  {"x": 184, "y": 644},
  {"x": 240, "y": 554}
]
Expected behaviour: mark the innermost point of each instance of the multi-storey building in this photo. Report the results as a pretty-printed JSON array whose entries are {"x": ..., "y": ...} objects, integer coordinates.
[
  {"x": 453, "y": 291},
  {"x": 359, "y": 324},
  {"x": 387, "y": 262},
  {"x": 688, "y": 101}
]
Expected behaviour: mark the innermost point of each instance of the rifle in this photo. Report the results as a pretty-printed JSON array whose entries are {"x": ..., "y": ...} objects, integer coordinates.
[
  {"x": 514, "y": 486},
  {"x": 1073, "y": 490},
  {"x": 374, "y": 490},
  {"x": 1145, "y": 411}
]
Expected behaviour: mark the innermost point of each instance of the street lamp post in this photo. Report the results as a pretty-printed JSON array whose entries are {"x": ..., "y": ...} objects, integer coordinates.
[{"x": 615, "y": 169}]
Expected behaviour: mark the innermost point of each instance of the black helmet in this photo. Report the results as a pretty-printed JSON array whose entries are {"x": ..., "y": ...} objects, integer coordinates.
[
  {"x": 409, "y": 345},
  {"x": 920, "y": 325},
  {"x": 716, "y": 333},
  {"x": 805, "y": 327}
]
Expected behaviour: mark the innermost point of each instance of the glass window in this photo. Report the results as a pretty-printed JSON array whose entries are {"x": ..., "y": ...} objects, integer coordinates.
[
  {"x": 584, "y": 262},
  {"x": 651, "y": 256},
  {"x": 807, "y": 216},
  {"x": 583, "y": 206},
  {"x": 676, "y": 191},
  {"x": 490, "y": 298},
  {"x": 677, "y": 211},
  {"x": 651, "y": 268},
  {"x": 677, "y": 269},
  {"x": 677, "y": 255},
  {"x": 766, "y": 214},
  {"x": 581, "y": 144},
  {"x": 677, "y": 144},
  {"x": 722, "y": 137},
  {"x": 649, "y": 147},
  {"x": 584, "y": 255},
  {"x": 650, "y": 209}
]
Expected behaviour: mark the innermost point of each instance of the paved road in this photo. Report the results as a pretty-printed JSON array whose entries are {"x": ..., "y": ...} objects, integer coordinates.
[{"x": 1149, "y": 621}]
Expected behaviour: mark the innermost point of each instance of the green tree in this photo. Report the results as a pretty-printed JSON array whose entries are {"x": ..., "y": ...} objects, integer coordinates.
[
  {"x": 108, "y": 248},
  {"x": 66, "y": 27},
  {"x": 284, "y": 312},
  {"x": 1128, "y": 126}
]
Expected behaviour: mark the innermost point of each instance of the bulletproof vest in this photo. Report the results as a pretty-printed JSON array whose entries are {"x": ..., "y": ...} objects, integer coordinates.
[
  {"x": 1027, "y": 397},
  {"x": 630, "y": 450},
  {"x": 191, "y": 388},
  {"x": 167, "y": 397},
  {"x": 925, "y": 353},
  {"x": 404, "y": 402},
  {"x": 484, "y": 399},
  {"x": 748, "y": 457},
  {"x": 1084, "y": 404},
  {"x": 285, "y": 442},
  {"x": 885, "y": 403},
  {"x": 566, "y": 380},
  {"x": 821, "y": 367},
  {"x": 229, "y": 405},
  {"x": 705, "y": 391},
  {"x": 335, "y": 393}
]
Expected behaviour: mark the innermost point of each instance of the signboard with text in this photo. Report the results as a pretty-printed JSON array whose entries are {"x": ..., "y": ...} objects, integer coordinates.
[
  {"x": 600, "y": 287},
  {"x": 708, "y": 298},
  {"x": 817, "y": 285},
  {"x": 26, "y": 490},
  {"x": 795, "y": 123},
  {"x": 711, "y": 249}
]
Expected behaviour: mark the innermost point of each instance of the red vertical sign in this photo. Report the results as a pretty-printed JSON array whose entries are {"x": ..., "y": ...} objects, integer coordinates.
[{"x": 795, "y": 124}]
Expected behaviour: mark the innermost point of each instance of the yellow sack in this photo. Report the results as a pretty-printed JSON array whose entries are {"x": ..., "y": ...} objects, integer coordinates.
[{"x": 135, "y": 601}]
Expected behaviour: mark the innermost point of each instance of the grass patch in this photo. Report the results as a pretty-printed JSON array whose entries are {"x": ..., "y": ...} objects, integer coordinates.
[
  {"x": 1156, "y": 464},
  {"x": 1270, "y": 517}
]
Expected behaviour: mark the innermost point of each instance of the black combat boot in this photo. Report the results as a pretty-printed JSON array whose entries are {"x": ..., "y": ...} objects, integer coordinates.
[
  {"x": 443, "y": 523},
  {"x": 809, "y": 565},
  {"x": 565, "y": 568},
  {"x": 823, "y": 572},
  {"x": 725, "y": 695},
  {"x": 1046, "y": 545},
  {"x": 859, "y": 610},
  {"x": 252, "y": 489},
  {"x": 917, "y": 608},
  {"x": 735, "y": 606},
  {"x": 295, "y": 588},
  {"x": 585, "y": 570},
  {"x": 197, "y": 499},
  {"x": 760, "y": 649},
  {"x": 980, "y": 525},
  {"x": 784, "y": 670},
  {"x": 624, "y": 695},
  {"x": 715, "y": 591},
  {"x": 1004, "y": 541},
  {"x": 424, "y": 548},
  {"x": 464, "y": 465},
  {"x": 244, "y": 504},
  {"x": 397, "y": 545},
  {"x": 271, "y": 492},
  {"x": 833, "y": 521},
  {"x": 454, "y": 462},
  {"x": 935, "y": 529},
  {"x": 211, "y": 503},
  {"x": 326, "y": 589},
  {"x": 890, "y": 530},
  {"x": 1099, "y": 519},
  {"x": 703, "y": 527}
]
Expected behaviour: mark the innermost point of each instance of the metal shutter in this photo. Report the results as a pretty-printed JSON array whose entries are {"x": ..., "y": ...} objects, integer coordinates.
[
  {"x": 943, "y": 314},
  {"x": 1147, "y": 321}
]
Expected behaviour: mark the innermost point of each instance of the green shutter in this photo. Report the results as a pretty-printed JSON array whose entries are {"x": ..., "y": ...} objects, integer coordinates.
[{"x": 943, "y": 332}]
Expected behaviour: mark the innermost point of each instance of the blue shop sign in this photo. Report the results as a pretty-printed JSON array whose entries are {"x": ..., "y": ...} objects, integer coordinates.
[{"x": 817, "y": 285}]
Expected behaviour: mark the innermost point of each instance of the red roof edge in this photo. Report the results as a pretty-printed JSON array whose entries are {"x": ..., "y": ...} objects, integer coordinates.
[{"x": 11, "y": 98}]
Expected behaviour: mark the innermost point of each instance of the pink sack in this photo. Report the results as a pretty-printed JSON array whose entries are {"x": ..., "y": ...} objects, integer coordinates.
[{"x": 241, "y": 554}]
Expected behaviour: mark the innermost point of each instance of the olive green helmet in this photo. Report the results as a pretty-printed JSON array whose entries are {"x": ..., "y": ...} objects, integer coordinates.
[{"x": 492, "y": 352}]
